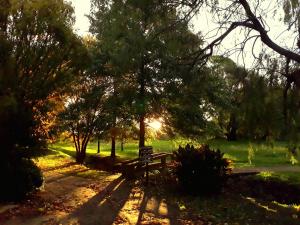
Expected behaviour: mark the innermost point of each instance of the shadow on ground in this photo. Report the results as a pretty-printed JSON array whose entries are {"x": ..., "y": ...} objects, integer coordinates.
[{"x": 124, "y": 202}]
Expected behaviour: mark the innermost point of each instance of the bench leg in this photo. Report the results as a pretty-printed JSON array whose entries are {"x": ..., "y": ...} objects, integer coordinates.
[{"x": 163, "y": 165}]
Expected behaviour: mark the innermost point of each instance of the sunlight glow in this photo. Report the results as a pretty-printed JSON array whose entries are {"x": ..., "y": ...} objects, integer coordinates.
[{"x": 155, "y": 124}]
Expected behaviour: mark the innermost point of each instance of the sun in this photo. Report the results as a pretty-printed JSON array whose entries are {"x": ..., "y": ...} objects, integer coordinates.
[{"x": 155, "y": 124}]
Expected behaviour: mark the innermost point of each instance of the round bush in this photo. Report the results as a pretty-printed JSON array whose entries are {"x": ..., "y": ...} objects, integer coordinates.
[
  {"x": 200, "y": 170},
  {"x": 21, "y": 176}
]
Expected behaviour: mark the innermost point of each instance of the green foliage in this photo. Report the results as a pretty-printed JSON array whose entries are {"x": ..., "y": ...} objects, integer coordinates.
[
  {"x": 39, "y": 53},
  {"x": 20, "y": 177},
  {"x": 149, "y": 55},
  {"x": 85, "y": 113},
  {"x": 201, "y": 170},
  {"x": 293, "y": 153},
  {"x": 255, "y": 103}
]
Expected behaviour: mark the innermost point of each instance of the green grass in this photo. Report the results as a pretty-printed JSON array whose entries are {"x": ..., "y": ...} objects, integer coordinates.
[
  {"x": 238, "y": 152},
  {"x": 288, "y": 177},
  {"x": 130, "y": 149},
  {"x": 263, "y": 154}
]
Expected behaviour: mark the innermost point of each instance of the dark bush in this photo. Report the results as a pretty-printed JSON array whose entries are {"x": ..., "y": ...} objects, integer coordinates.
[
  {"x": 200, "y": 170},
  {"x": 20, "y": 177}
]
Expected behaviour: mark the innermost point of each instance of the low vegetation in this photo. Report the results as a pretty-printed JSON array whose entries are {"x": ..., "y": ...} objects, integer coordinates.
[
  {"x": 21, "y": 177},
  {"x": 201, "y": 170}
]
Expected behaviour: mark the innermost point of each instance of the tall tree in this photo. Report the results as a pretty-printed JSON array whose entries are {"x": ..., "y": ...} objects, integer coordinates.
[
  {"x": 38, "y": 50},
  {"x": 41, "y": 50},
  {"x": 148, "y": 54}
]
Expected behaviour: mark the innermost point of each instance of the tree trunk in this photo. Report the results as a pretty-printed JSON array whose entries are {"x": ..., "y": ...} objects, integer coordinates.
[
  {"x": 80, "y": 148},
  {"x": 285, "y": 108},
  {"x": 142, "y": 132},
  {"x": 232, "y": 128},
  {"x": 80, "y": 154},
  {"x": 98, "y": 149},
  {"x": 113, "y": 147},
  {"x": 122, "y": 144},
  {"x": 142, "y": 109},
  {"x": 80, "y": 157}
]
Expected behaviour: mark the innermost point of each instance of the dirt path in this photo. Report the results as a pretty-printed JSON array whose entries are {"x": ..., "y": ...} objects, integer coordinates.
[{"x": 73, "y": 194}]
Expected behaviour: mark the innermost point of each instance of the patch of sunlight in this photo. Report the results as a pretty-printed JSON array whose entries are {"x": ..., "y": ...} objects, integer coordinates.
[
  {"x": 290, "y": 206},
  {"x": 281, "y": 204},
  {"x": 131, "y": 208},
  {"x": 102, "y": 202},
  {"x": 266, "y": 174},
  {"x": 181, "y": 206},
  {"x": 293, "y": 160},
  {"x": 70, "y": 148},
  {"x": 52, "y": 160},
  {"x": 231, "y": 157},
  {"x": 163, "y": 208},
  {"x": 113, "y": 177},
  {"x": 82, "y": 193},
  {"x": 252, "y": 200},
  {"x": 92, "y": 174},
  {"x": 118, "y": 185}
]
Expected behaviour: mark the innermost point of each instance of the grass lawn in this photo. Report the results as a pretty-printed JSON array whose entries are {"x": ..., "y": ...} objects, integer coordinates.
[
  {"x": 238, "y": 151},
  {"x": 262, "y": 153}
]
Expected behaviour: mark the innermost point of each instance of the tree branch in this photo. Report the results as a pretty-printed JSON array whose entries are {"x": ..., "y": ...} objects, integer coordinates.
[{"x": 256, "y": 25}]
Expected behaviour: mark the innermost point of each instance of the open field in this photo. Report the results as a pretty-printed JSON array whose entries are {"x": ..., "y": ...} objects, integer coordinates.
[{"x": 260, "y": 154}]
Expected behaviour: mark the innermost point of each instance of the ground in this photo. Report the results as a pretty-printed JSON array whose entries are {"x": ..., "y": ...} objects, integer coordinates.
[{"x": 75, "y": 194}]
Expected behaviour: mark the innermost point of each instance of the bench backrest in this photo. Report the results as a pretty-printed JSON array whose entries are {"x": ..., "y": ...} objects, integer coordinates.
[{"x": 145, "y": 154}]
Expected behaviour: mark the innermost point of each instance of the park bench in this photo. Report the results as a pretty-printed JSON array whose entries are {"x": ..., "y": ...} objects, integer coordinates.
[{"x": 147, "y": 161}]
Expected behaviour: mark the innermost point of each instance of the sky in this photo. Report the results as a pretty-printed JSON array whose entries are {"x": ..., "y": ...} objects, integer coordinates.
[
  {"x": 202, "y": 23},
  {"x": 82, "y": 8}
]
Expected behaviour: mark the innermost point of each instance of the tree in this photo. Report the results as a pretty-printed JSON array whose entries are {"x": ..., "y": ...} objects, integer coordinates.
[
  {"x": 41, "y": 50},
  {"x": 250, "y": 17},
  {"x": 255, "y": 110},
  {"x": 38, "y": 50},
  {"x": 235, "y": 79},
  {"x": 85, "y": 113},
  {"x": 150, "y": 57}
]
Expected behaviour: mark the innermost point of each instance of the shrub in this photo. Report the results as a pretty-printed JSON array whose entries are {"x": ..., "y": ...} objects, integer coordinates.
[
  {"x": 20, "y": 177},
  {"x": 200, "y": 170}
]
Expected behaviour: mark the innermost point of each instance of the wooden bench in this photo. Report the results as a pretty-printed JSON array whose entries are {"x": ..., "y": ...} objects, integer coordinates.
[{"x": 136, "y": 167}]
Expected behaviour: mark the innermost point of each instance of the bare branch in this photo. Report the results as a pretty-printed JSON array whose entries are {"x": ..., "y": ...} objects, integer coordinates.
[{"x": 256, "y": 25}]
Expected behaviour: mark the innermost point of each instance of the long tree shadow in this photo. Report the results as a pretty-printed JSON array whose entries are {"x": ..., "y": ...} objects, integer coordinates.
[
  {"x": 104, "y": 207},
  {"x": 157, "y": 209}
]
